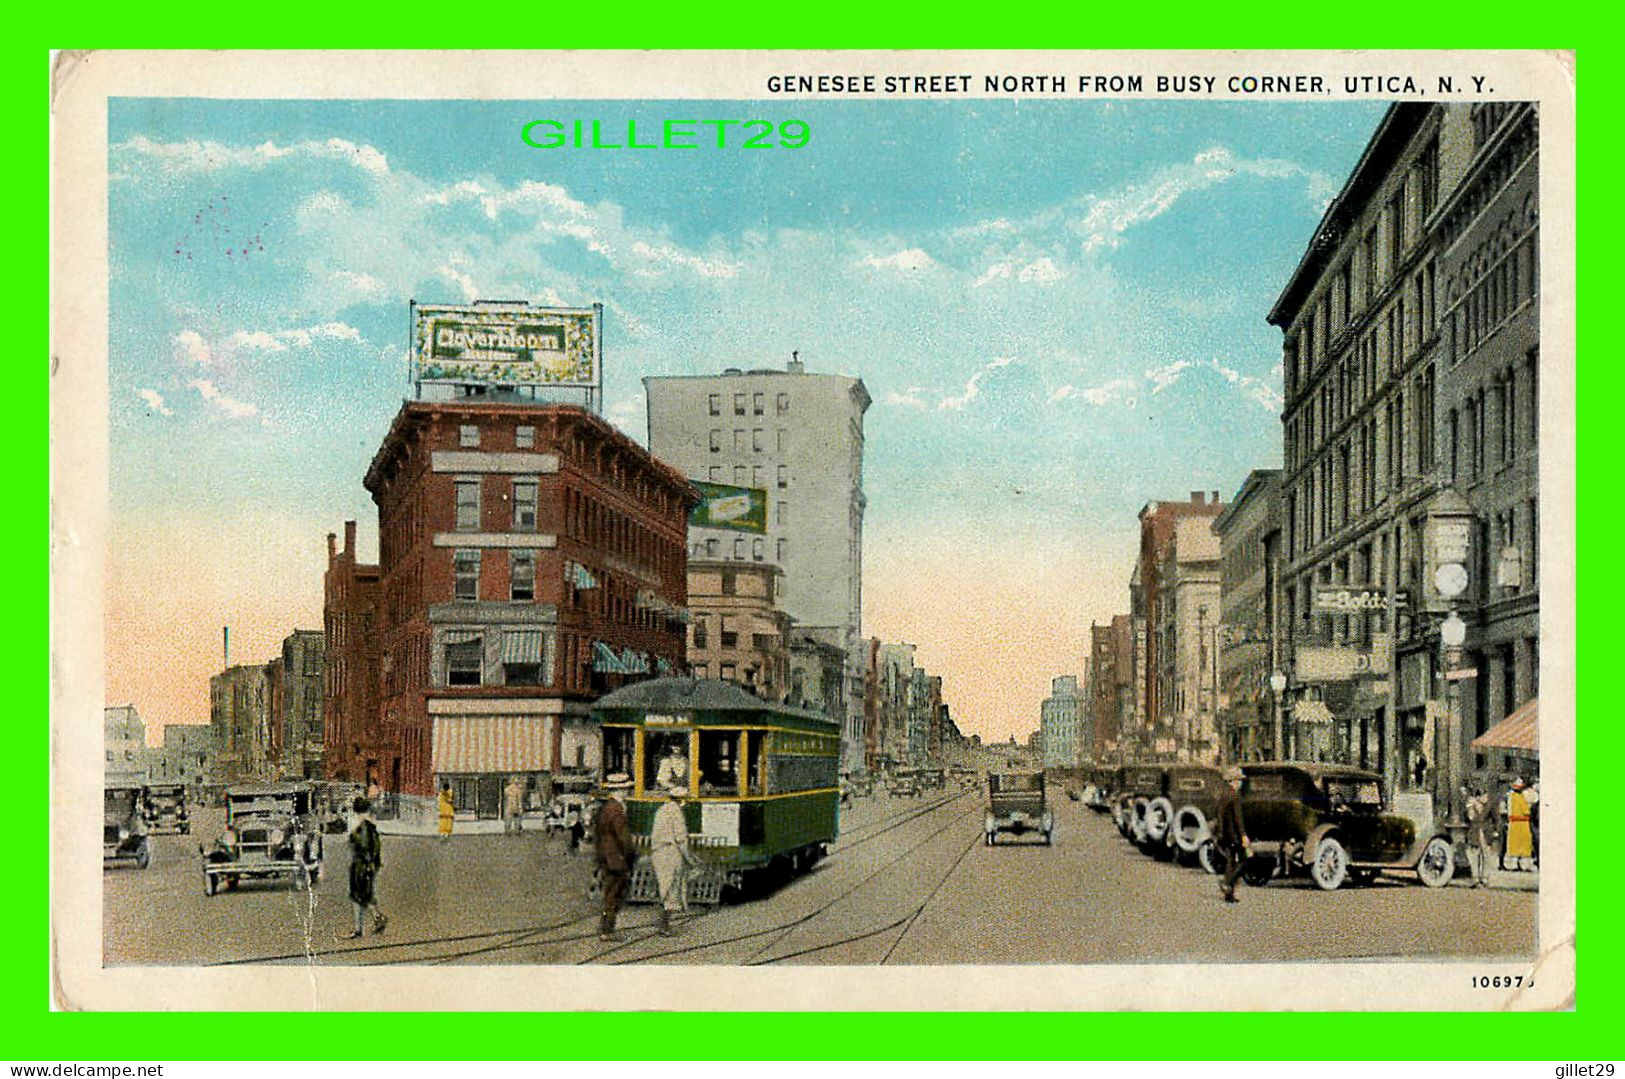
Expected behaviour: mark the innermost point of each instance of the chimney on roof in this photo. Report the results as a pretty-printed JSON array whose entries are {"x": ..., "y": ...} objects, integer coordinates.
[
  {"x": 349, "y": 537},
  {"x": 1198, "y": 498},
  {"x": 332, "y": 546},
  {"x": 1215, "y": 498},
  {"x": 795, "y": 366}
]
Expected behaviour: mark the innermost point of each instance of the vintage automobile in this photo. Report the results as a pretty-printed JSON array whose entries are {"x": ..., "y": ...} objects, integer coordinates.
[
  {"x": 1097, "y": 792},
  {"x": 272, "y": 831},
  {"x": 124, "y": 824},
  {"x": 1136, "y": 785},
  {"x": 1328, "y": 821},
  {"x": 1015, "y": 804},
  {"x": 1180, "y": 820},
  {"x": 166, "y": 808}
]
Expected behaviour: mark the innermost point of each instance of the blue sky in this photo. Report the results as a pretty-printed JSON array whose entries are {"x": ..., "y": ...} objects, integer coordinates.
[{"x": 1058, "y": 308}]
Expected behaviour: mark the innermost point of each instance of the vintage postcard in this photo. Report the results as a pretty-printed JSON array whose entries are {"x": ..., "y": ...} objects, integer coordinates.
[{"x": 593, "y": 530}]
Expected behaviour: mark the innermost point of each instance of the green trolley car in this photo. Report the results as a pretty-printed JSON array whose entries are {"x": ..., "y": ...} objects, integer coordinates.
[{"x": 761, "y": 780}]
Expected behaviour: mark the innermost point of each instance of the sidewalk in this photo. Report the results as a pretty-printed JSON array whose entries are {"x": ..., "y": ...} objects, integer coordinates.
[{"x": 1505, "y": 879}]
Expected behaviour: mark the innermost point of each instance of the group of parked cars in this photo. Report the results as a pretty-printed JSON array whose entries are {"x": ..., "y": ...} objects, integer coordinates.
[
  {"x": 1325, "y": 821},
  {"x": 272, "y": 831}
]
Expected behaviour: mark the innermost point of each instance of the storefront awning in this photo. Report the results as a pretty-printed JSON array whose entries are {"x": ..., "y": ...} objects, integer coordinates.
[
  {"x": 522, "y": 646},
  {"x": 1519, "y": 731},
  {"x": 1312, "y": 713},
  {"x": 461, "y": 636},
  {"x": 604, "y": 659}
]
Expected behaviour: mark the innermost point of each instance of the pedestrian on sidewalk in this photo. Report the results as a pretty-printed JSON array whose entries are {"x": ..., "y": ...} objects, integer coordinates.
[
  {"x": 669, "y": 854},
  {"x": 577, "y": 827},
  {"x": 613, "y": 846},
  {"x": 1520, "y": 837},
  {"x": 448, "y": 811},
  {"x": 1532, "y": 795},
  {"x": 366, "y": 859},
  {"x": 1232, "y": 835},
  {"x": 1480, "y": 832},
  {"x": 513, "y": 807}
]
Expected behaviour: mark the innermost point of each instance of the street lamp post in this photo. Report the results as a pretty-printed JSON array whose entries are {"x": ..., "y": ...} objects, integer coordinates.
[
  {"x": 1278, "y": 687},
  {"x": 1452, "y": 635}
]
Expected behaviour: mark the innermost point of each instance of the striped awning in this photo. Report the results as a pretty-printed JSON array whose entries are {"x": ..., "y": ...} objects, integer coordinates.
[
  {"x": 461, "y": 636},
  {"x": 1520, "y": 730},
  {"x": 1312, "y": 713},
  {"x": 522, "y": 646},
  {"x": 490, "y": 744},
  {"x": 604, "y": 659}
]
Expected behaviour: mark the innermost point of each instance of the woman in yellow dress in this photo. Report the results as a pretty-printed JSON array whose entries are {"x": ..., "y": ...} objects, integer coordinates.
[
  {"x": 1520, "y": 839},
  {"x": 448, "y": 810}
]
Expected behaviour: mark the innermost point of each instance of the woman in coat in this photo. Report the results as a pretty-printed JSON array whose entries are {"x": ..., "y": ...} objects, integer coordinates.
[
  {"x": 366, "y": 858},
  {"x": 448, "y": 811}
]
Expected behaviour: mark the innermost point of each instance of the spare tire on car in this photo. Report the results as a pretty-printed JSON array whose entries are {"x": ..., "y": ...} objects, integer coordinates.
[{"x": 1190, "y": 829}]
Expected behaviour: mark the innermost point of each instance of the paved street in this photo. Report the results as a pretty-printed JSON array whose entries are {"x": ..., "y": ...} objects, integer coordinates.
[{"x": 909, "y": 882}]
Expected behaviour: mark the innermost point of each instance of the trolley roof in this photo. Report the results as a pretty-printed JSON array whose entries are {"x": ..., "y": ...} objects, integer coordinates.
[{"x": 708, "y": 702}]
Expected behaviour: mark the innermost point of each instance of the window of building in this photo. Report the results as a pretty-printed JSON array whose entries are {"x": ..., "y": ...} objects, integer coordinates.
[
  {"x": 524, "y": 505},
  {"x": 715, "y": 473},
  {"x": 739, "y": 404},
  {"x": 711, "y": 547},
  {"x": 1368, "y": 248},
  {"x": 728, "y": 672},
  {"x": 1396, "y": 232},
  {"x": 739, "y": 547},
  {"x": 782, "y": 514},
  {"x": 1427, "y": 177},
  {"x": 716, "y": 404},
  {"x": 524, "y": 437},
  {"x": 782, "y": 436},
  {"x": 468, "y": 435},
  {"x": 1454, "y": 428},
  {"x": 466, "y": 573},
  {"x": 782, "y": 547},
  {"x": 784, "y": 477},
  {"x": 756, "y": 440},
  {"x": 465, "y": 657},
  {"x": 783, "y": 403},
  {"x": 756, "y": 549},
  {"x": 741, "y": 472},
  {"x": 756, "y": 475},
  {"x": 522, "y": 575},
  {"x": 1424, "y": 419},
  {"x": 716, "y": 440},
  {"x": 468, "y": 505},
  {"x": 756, "y": 404},
  {"x": 701, "y": 640},
  {"x": 729, "y": 637},
  {"x": 1532, "y": 363},
  {"x": 527, "y": 657}
]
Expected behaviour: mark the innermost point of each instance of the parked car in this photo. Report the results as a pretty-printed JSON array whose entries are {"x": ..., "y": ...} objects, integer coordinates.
[
  {"x": 1330, "y": 822},
  {"x": 1186, "y": 811},
  {"x": 1097, "y": 792},
  {"x": 166, "y": 808},
  {"x": 1136, "y": 785},
  {"x": 124, "y": 824},
  {"x": 272, "y": 831},
  {"x": 1015, "y": 804}
]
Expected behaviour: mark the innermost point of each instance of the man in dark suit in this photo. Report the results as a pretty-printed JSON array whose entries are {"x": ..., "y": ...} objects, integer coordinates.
[
  {"x": 1232, "y": 835},
  {"x": 613, "y": 844}
]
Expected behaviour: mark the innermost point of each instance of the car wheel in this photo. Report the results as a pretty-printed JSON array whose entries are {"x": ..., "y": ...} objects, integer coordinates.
[
  {"x": 1331, "y": 865},
  {"x": 1207, "y": 856},
  {"x": 1190, "y": 829},
  {"x": 211, "y": 884},
  {"x": 1159, "y": 817},
  {"x": 1256, "y": 871},
  {"x": 143, "y": 856},
  {"x": 1438, "y": 862}
]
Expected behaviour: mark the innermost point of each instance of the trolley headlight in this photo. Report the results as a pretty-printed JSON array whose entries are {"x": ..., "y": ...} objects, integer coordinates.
[
  {"x": 276, "y": 837},
  {"x": 123, "y": 833}
]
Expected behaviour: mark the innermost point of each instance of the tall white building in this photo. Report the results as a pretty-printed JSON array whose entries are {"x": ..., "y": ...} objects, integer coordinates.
[
  {"x": 799, "y": 437},
  {"x": 124, "y": 738},
  {"x": 1059, "y": 722}
]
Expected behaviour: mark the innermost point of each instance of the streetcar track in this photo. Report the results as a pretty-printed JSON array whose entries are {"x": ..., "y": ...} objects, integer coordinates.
[
  {"x": 525, "y": 936},
  {"x": 787, "y": 927}
]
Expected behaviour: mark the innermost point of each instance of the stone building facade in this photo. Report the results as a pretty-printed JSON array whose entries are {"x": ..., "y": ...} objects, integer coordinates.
[
  {"x": 1249, "y": 599},
  {"x": 736, "y": 631}
]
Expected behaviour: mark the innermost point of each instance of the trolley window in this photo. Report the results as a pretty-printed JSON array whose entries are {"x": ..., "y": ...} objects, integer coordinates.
[
  {"x": 665, "y": 760},
  {"x": 753, "y": 761},
  {"x": 618, "y": 755},
  {"x": 719, "y": 762}
]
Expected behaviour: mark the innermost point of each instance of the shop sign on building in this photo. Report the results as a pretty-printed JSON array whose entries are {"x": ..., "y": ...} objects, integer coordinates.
[
  {"x": 1353, "y": 598},
  {"x": 508, "y": 344},
  {"x": 1339, "y": 664}
]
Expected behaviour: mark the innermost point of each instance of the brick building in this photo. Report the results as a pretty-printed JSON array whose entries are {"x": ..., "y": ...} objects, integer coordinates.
[
  {"x": 532, "y": 558},
  {"x": 1411, "y": 358},
  {"x": 353, "y": 747},
  {"x": 1249, "y": 532},
  {"x": 1176, "y": 574},
  {"x": 240, "y": 719},
  {"x": 736, "y": 632}
]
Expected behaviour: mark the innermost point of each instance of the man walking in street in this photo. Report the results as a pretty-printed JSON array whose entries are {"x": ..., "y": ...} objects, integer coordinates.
[
  {"x": 1232, "y": 835},
  {"x": 366, "y": 858},
  {"x": 668, "y": 842},
  {"x": 613, "y": 845}
]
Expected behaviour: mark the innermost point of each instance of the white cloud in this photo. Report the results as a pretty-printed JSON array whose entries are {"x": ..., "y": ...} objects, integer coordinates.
[
  {"x": 1165, "y": 376},
  {"x": 462, "y": 189},
  {"x": 909, "y": 260},
  {"x": 973, "y": 386},
  {"x": 999, "y": 271},
  {"x": 1063, "y": 393},
  {"x": 360, "y": 284},
  {"x": 471, "y": 291},
  {"x": 1110, "y": 391},
  {"x": 672, "y": 256},
  {"x": 191, "y": 345},
  {"x": 229, "y": 405},
  {"x": 193, "y": 155},
  {"x": 299, "y": 337},
  {"x": 155, "y": 401},
  {"x": 1043, "y": 271},
  {"x": 910, "y": 398},
  {"x": 532, "y": 196}
]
